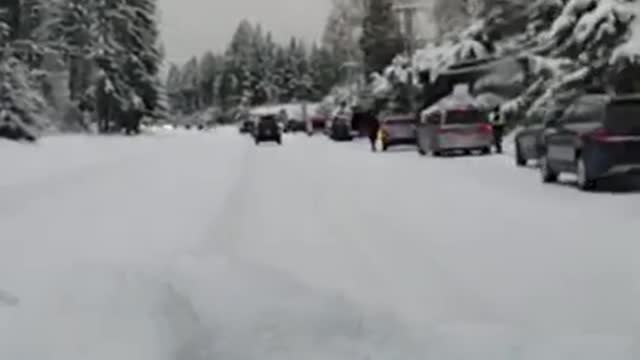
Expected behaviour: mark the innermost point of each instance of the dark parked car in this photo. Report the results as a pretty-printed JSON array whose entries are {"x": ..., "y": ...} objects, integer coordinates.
[
  {"x": 528, "y": 141},
  {"x": 340, "y": 129},
  {"x": 247, "y": 126},
  {"x": 316, "y": 123},
  {"x": 598, "y": 136},
  {"x": 398, "y": 130},
  {"x": 294, "y": 125},
  {"x": 267, "y": 129}
]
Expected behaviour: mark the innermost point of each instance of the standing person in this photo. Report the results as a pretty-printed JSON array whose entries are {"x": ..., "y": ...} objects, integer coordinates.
[
  {"x": 341, "y": 110},
  {"x": 373, "y": 127},
  {"x": 497, "y": 120}
]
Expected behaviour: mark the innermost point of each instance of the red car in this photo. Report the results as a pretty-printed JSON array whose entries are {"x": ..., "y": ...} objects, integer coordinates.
[{"x": 316, "y": 123}]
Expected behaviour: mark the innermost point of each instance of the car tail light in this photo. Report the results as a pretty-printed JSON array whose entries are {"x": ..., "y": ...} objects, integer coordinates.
[
  {"x": 486, "y": 128},
  {"x": 600, "y": 135}
]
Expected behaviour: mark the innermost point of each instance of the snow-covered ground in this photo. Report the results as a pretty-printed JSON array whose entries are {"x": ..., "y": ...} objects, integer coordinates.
[{"x": 199, "y": 245}]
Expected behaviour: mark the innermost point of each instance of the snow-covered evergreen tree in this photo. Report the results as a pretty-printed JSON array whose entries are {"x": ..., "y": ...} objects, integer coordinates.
[
  {"x": 381, "y": 38},
  {"x": 342, "y": 30},
  {"x": 207, "y": 76},
  {"x": 139, "y": 36}
]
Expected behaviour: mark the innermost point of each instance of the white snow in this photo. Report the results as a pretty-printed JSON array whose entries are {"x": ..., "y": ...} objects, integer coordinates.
[
  {"x": 192, "y": 245},
  {"x": 630, "y": 49}
]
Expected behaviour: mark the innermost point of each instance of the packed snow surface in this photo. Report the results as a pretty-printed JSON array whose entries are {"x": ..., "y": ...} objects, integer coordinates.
[{"x": 200, "y": 245}]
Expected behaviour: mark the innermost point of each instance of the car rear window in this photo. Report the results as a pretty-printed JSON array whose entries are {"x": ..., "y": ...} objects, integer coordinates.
[
  {"x": 623, "y": 117},
  {"x": 455, "y": 117},
  {"x": 268, "y": 120},
  {"x": 400, "y": 121},
  {"x": 587, "y": 109}
]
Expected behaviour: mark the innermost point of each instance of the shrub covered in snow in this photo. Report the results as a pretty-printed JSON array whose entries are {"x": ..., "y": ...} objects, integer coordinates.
[{"x": 22, "y": 103}]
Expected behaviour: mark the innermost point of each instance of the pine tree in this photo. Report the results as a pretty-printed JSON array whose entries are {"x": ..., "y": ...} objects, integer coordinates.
[
  {"x": 324, "y": 70},
  {"x": 190, "y": 84},
  {"x": 381, "y": 39},
  {"x": 342, "y": 27},
  {"x": 207, "y": 77},
  {"x": 140, "y": 38},
  {"x": 239, "y": 53},
  {"x": 174, "y": 87}
]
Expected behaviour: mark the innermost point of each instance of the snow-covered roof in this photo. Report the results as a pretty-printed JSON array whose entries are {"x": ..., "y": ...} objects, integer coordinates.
[
  {"x": 437, "y": 58},
  {"x": 459, "y": 98}
]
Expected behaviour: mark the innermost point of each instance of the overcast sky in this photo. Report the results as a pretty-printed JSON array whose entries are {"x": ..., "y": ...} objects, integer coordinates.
[{"x": 190, "y": 27}]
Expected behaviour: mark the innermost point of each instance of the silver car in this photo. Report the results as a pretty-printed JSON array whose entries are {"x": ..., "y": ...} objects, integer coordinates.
[
  {"x": 397, "y": 130},
  {"x": 449, "y": 129}
]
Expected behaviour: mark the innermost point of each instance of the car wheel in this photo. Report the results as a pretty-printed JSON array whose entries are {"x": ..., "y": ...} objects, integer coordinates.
[
  {"x": 547, "y": 173},
  {"x": 520, "y": 160},
  {"x": 385, "y": 147},
  {"x": 585, "y": 183},
  {"x": 437, "y": 153},
  {"x": 485, "y": 151},
  {"x": 421, "y": 151},
  {"x": 279, "y": 141}
]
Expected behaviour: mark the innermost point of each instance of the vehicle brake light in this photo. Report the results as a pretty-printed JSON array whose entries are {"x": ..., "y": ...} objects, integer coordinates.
[
  {"x": 600, "y": 135},
  {"x": 486, "y": 128}
]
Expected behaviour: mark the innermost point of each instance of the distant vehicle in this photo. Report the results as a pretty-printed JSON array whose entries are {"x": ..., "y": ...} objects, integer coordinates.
[
  {"x": 267, "y": 129},
  {"x": 294, "y": 125},
  {"x": 528, "y": 140},
  {"x": 452, "y": 128},
  {"x": 397, "y": 130},
  {"x": 317, "y": 123},
  {"x": 598, "y": 136},
  {"x": 340, "y": 129},
  {"x": 247, "y": 126}
]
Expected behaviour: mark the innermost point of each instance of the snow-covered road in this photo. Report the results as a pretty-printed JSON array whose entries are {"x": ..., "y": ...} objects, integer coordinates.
[{"x": 202, "y": 246}]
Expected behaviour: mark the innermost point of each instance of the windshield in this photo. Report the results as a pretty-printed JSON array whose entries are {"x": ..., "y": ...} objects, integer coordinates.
[
  {"x": 400, "y": 121},
  {"x": 624, "y": 116},
  {"x": 319, "y": 180},
  {"x": 463, "y": 117}
]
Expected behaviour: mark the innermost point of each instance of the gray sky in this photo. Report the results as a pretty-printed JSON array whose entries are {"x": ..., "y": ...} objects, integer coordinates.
[{"x": 190, "y": 27}]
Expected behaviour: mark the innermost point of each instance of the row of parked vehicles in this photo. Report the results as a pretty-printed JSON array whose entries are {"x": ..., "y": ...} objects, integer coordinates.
[
  {"x": 451, "y": 125},
  {"x": 270, "y": 127},
  {"x": 594, "y": 136},
  {"x": 263, "y": 128}
]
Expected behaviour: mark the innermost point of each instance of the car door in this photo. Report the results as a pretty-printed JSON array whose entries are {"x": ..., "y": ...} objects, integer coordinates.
[
  {"x": 526, "y": 141},
  {"x": 585, "y": 115},
  {"x": 427, "y": 128},
  {"x": 558, "y": 141}
]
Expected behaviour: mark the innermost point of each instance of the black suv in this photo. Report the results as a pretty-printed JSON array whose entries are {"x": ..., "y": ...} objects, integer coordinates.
[
  {"x": 267, "y": 129},
  {"x": 340, "y": 129},
  {"x": 247, "y": 126},
  {"x": 597, "y": 136}
]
